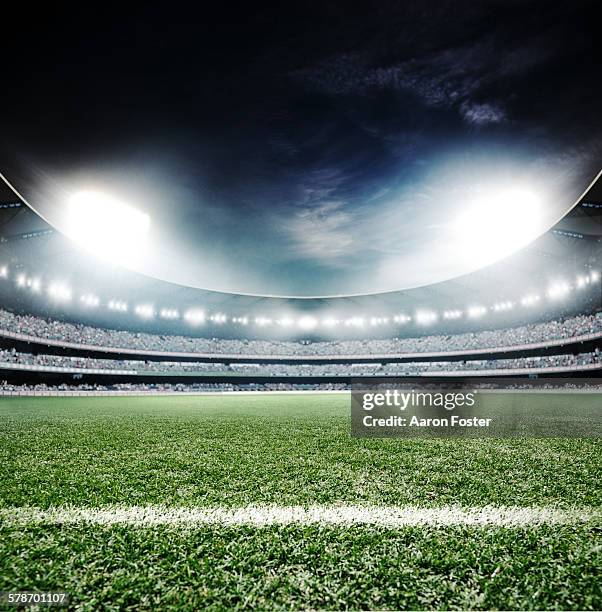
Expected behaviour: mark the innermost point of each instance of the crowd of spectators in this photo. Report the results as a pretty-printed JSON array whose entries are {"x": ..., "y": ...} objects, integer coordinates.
[
  {"x": 51, "y": 362},
  {"x": 537, "y": 333},
  {"x": 156, "y": 388},
  {"x": 9, "y": 389}
]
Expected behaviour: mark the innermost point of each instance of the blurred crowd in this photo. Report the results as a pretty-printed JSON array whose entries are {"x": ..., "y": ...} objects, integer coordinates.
[
  {"x": 157, "y": 388},
  {"x": 11, "y": 356},
  {"x": 92, "y": 336},
  {"x": 7, "y": 389}
]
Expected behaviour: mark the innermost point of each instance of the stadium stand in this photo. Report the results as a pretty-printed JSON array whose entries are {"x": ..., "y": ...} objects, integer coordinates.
[
  {"x": 7, "y": 389},
  {"x": 14, "y": 360},
  {"x": 59, "y": 333}
]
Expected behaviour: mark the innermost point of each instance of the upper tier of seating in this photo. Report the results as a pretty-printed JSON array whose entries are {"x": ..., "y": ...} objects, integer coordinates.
[{"x": 53, "y": 332}]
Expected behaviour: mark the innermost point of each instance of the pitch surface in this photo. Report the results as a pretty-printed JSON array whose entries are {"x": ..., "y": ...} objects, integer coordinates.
[{"x": 67, "y": 463}]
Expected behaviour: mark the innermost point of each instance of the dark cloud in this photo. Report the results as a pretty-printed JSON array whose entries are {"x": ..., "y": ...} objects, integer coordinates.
[{"x": 302, "y": 150}]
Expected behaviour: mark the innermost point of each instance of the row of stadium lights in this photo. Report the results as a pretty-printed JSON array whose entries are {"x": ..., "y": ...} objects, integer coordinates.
[{"x": 61, "y": 292}]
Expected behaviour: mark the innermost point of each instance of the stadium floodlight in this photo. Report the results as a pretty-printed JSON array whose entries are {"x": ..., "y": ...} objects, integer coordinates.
[
  {"x": 218, "y": 318},
  {"x": 594, "y": 276},
  {"x": 107, "y": 227},
  {"x": 194, "y": 316},
  {"x": 3, "y": 271},
  {"x": 118, "y": 305},
  {"x": 503, "y": 306},
  {"x": 476, "y": 311},
  {"x": 169, "y": 313},
  {"x": 425, "y": 317},
  {"x": 146, "y": 311},
  {"x": 558, "y": 290},
  {"x": 35, "y": 284},
  {"x": 59, "y": 291},
  {"x": 402, "y": 319},
  {"x": 241, "y": 320},
  {"x": 497, "y": 224},
  {"x": 582, "y": 281},
  {"x": 89, "y": 300},
  {"x": 452, "y": 314},
  {"x": 262, "y": 321},
  {"x": 530, "y": 300},
  {"x": 307, "y": 322},
  {"x": 330, "y": 322}
]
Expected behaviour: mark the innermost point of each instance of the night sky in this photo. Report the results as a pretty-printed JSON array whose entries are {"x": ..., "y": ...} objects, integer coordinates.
[{"x": 316, "y": 150}]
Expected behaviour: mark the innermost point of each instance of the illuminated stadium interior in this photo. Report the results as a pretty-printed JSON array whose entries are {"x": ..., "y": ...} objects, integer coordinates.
[
  {"x": 301, "y": 306},
  {"x": 557, "y": 273},
  {"x": 534, "y": 312}
]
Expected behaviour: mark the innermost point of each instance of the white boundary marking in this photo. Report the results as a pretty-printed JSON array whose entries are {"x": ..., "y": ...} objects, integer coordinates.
[{"x": 334, "y": 515}]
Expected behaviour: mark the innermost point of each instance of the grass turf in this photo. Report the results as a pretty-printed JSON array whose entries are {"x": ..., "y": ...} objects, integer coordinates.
[{"x": 282, "y": 449}]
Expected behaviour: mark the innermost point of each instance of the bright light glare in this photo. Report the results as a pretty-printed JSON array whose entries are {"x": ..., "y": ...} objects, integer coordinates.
[
  {"x": 452, "y": 314},
  {"x": 194, "y": 316},
  {"x": 106, "y": 227},
  {"x": 558, "y": 290},
  {"x": 476, "y": 311},
  {"x": 89, "y": 300},
  {"x": 169, "y": 313},
  {"x": 497, "y": 224},
  {"x": 145, "y": 311},
  {"x": 530, "y": 300},
  {"x": 307, "y": 322},
  {"x": 118, "y": 305},
  {"x": 502, "y": 306},
  {"x": 425, "y": 317},
  {"x": 59, "y": 291},
  {"x": 35, "y": 284}
]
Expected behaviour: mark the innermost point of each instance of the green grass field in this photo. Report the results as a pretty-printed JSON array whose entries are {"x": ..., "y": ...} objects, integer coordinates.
[{"x": 232, "y": 452}]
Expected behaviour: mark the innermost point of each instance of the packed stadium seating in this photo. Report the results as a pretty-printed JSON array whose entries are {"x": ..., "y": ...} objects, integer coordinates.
[
  {"x": 43, "y": 389},
  {"x": 142, "y": 388},
  {"x": 558, "y": 332},
  {"x": 12, "y": 359}
]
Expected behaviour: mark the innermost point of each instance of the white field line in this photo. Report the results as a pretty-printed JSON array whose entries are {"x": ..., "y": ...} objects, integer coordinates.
[{"x": 342, "y": 515}]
